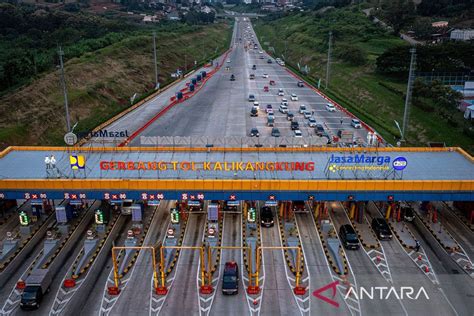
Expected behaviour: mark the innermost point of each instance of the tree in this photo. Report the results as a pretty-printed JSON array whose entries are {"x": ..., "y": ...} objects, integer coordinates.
[
  {"x": 398, "y": 13},
  {"x": 422, "y": 28},
  {"x": 352, "y": 54}
]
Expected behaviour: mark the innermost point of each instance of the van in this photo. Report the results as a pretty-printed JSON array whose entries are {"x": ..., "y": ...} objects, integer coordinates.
[
  {"x": 230, "y": 278},
  {"x": 355, "y": 123}
]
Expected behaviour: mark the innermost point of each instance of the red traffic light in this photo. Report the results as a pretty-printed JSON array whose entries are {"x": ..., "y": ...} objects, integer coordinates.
[
  {"x": 390, "y": 198},
  {"x": 350, "y": 197}
]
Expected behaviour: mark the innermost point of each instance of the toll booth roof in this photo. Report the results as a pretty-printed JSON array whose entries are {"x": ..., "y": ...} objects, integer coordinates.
[{"x": 237, "y": 163}]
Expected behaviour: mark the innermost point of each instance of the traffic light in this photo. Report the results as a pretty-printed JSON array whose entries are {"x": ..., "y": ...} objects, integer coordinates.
[
  {"x": 251, "y": 215},
  {"x": 99, "y": 217},
  {"x": 174, "y": 216},
  {"x": 24, "y": 219}
]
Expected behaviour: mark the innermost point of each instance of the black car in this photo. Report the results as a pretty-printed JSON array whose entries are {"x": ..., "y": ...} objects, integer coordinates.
[
  {"x": 294, "y": 125},
  {"x": 269, "y": 61},
  {"x": 381, "y": 229},
  {"x": 348, "y": 237},
  {"x": 266, "y": 216},
  {"x": 319, "y": 130},
  {"x": 290, "y": 116},
  {"x": 254, "y": 132},
  {"x": 275, "y": 132},
  {"x": 298, "y": 206},
  {"x": 232, "y": 77},
  {"x": 254, "y": 67},
  {"x": 230, "y": 279},
  {"x": 300, "y": 84},
  {"x": 253, "y": 112}
]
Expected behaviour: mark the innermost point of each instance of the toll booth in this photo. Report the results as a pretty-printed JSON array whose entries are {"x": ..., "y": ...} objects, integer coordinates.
[
  {"x": 231, "y": 206},
  {"x": 195, "y": 206},
  {"x": 40, "y": 206}
]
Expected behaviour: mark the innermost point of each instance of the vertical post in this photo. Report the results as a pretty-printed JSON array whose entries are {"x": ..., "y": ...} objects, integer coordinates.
[
  {"x": 157, "y": 84},
  {"x": 258, "y": 265},
  {"x": 114, "y": 262},
  {"x": 209, "y": 260},
  {"x": 203, "y": 270},
  {"x": 249, "y": 252},
  {"x": 298, "y": 264},
  {"x": 328, "y": 66},
  {"x": 63, "y": 83},
  {"x": 411, "y": 79},
  {"x": 162, "y": 265},
  {"x": 155, "y": 277}
]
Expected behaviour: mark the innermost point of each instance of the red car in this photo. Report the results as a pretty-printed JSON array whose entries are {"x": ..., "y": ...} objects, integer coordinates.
[
  {"x": 272, "y": 82},
  {"x": 265, "y": 89}
]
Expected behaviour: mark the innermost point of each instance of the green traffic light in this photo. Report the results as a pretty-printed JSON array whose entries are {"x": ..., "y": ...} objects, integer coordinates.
[
  {"x": 175, "y": 216},
  {"x": 251, "y": 215},
  {"x": 24, "y": 219},
  {"x": 99, "y": 217}
]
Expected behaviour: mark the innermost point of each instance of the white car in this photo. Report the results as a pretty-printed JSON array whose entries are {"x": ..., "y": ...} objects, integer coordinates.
[
  {"x": 355, "y": 123},
  {"x": 280, "y": 92},
  {"x": 256, "y": 105},
  {"x": 298, "y": 133},
  {"x": 294, "y": 97},
  {"x": 283, "y": 109},
  {"x": 330, "y": 107},
  {"x": 284, "y": 101},
  {"x": 260, "y": 52},
  {"x": 307, "y": 114},
  {"x": 302, "y": 108},
  {"x": 265, "y": 76},
  {"x": 228, "y": 60},
  {"x": 311, "y": 122}
]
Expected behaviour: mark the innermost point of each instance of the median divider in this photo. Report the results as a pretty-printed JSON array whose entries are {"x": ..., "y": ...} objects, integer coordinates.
[{"x": 174, "y": 101}]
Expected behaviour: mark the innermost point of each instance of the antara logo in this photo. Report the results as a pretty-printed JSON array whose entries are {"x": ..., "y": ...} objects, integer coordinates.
[
  {"x": 360, "y": 159},
  {"x": 385, "y": 293}
]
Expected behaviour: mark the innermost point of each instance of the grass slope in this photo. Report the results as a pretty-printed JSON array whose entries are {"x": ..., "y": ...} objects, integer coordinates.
[
  {"x": 376, "y": 99},
  {"x": 100, "y": 83}
]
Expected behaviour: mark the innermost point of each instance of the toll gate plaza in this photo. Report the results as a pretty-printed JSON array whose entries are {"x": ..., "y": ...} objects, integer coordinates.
[{"x": 326, "y": 174}]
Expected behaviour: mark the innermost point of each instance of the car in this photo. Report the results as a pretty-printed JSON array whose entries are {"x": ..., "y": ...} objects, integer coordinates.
[
  {"x": 266, "y": 217},
  {"x": 265, "y": 76},
  {"x": 330, "y": 107},
  {"x": 227, "y": 68},
  {"x": 280, "y": 92},
  {"x": 254, "y": 132},
  {"x": 319, "y": 129},
  {"x": 355, "y": 123},
  {"x": 254, "y": 67},
  {"x": 275, "y": 132},
  {"x": 298, "y": 133},
  {"x": 290, "y": 116},
  {"x": 272, "y": 82},
  {"x": 294, "y": 125},
  {"x": 256, "y": 105},
  {"x": 269, "y": 108},
  {"x": 307, "y": 114},
  {"x": 302, "y": 108},
  {"x": 294, "y": 97},
  {"x": 262, "y": 57},
  {"x": 311, "y": 122},
  {"x": 228, "y": 61},
  {"x": 260, "y": 52},
  {"x": 348, "y": 237},
  {"x": 269, "y": 61},
  {"x": 284, "y": 101},
  {"x": 408, "y": 213},
  {"x": 254, "y": 112},
  {"x": 230, "y": 278},
  {"x": 232, "y": 77},
  {"x": 299, "y": 206},
  {"x": 381, "y": 229},
  {"x": 251, "y": 98},
  {"x": 283, "y": 108},
  {"x": 300, "y": 84},
  {"x": 265, "y": 89}
]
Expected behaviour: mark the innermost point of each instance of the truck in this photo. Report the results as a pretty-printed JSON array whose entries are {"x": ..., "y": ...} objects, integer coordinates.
[{"x": 37, "y": 285}]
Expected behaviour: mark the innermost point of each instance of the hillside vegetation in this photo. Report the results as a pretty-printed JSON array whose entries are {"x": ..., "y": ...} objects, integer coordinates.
[
  {"x": 354, "y": 81},
  {"x": 101, "y": 82}
]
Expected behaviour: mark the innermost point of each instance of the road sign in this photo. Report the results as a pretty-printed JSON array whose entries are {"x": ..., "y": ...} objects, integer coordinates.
[
  {"x": 174, "y": 216},
  {"x": 130, "y": 233},
  {"x": 24, "y": 219},
  {"x": 99, "y": 217},
  {"x": 251, "y": 215},
  {"x": 170, "y": 232},
  {"x": 70, "y": 138}
]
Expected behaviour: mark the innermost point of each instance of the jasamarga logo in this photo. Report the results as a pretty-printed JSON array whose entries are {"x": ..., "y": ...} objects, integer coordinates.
[
  {"x": 104, "y": 133},
  {"x": 385, "y": 293},
  {"x": 359, "y": 159}
]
